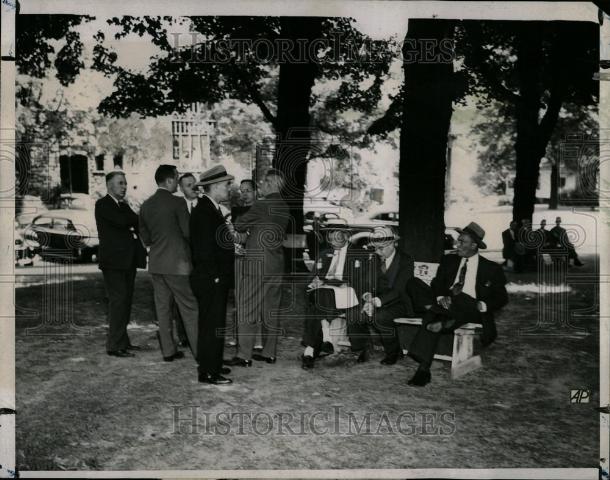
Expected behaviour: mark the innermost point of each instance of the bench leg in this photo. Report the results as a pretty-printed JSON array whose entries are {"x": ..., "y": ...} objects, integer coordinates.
[{"x": 463, "y": 360}]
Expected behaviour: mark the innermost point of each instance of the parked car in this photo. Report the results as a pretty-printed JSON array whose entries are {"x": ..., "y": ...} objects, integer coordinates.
[
  {"x": 27, "y": 207},
  {"x": 65, "y": 234},
  {"x": 75, "y": 201},
  {"x": 25, "y": 249}
]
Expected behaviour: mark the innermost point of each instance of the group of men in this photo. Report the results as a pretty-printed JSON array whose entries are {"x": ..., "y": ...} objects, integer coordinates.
[
  {"x": 371, "y": 290},
  {"x": 192, "y": 249},
  {"x": 191, "y": 252},
  {"x": 522, "y": 245}
]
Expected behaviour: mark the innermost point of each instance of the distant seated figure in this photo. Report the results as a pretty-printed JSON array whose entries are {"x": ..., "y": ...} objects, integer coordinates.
[
  {"x": 561, "y": 241},
  {"x": 393, "y": 293},
  {"x": 468, "y": 289},
  {"x": 333, "y": 289},
  {"x": 509, "y": 241}
]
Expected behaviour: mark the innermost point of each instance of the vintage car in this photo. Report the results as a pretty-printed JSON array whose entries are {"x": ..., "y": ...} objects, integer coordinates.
[
  {"x": 25, "y": 249},
  {"x": 68, "y": 234}
]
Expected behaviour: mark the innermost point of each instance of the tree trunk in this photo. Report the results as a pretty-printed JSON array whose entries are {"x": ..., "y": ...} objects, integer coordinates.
[
  {"x": 293, "y": 118},
  {"x": 553, "y": 201},
  {"x": 423, "y": 145},
  {"x": 533, "y": 136}
]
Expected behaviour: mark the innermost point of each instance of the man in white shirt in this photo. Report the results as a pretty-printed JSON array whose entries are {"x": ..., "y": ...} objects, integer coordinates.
[
  {"x": 187, "y": 187},
  {"x": 336, "y": 266},
  {"x": 468, "y": 289}
]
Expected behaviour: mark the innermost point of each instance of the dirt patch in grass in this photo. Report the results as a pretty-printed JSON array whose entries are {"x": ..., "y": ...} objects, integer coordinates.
[{"x": 80, "y": 409}]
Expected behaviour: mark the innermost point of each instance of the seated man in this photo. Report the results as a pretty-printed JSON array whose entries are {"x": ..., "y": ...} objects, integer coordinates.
[
  {"x": 469, "y": 289},
  {"x": 333, "y": 290},
  {"x": 394, "y": 292}
]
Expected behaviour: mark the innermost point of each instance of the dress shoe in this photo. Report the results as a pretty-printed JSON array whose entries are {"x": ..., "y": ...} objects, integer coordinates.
[
  {"x": 225, "y": 370},
  {"x": 134, "y": 347},
  {"x": 307, "y": 362},
  {"x": 120, "y": 353},
  {"x": 238, "y": 362},
  {"x": 420, "y": 379},
  {"x": 363, "y": 357},
  {"x": 261, "y": 358},
  {"x": 327, "y": 348},
  {"x": 434, "y": 327},
  {"x": 214, "y": 379},
  {"x": 390, "y": 359},
  {"x": 175, "y": 356}
]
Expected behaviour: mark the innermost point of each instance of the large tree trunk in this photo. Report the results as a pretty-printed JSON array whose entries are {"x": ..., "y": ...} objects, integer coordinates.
[
  {"x": 293, "y": 118},
  {"x": 423, "y": 145},
  {"x": 553, "y": 201},
  {"x": 532, "y": 135}
]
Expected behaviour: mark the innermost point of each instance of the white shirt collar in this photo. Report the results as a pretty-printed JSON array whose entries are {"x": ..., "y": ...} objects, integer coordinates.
[{"x": 390, "y": 259}]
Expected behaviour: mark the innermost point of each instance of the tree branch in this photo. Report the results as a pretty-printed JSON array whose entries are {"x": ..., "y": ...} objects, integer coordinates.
[{"x": 257, "y": 99}]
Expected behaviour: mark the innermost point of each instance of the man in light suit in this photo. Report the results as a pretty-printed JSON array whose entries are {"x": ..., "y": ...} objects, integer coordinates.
[
  {"x": 164, "y": 227},
  {"x": 263, "y": 228},
  {"x": 120, "y": 253},
  {"x": 468, "y": 289},
  {"x": 213, "y": 248}
]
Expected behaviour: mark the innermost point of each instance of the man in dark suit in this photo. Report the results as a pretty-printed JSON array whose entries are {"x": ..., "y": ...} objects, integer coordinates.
[
  {"x": 263, "y": 229},
  {"x": 164, "y": 227},
  {"x": 561, "y": 241},
  {"x": 509, "y": 240},
  {"x": 338, "y": 266},
  {"x": 394, "y": 293},
  {"x": 212, "y": 244},
  {"x": 120, "y": 253},
  {"x": 469, "y": 289}
]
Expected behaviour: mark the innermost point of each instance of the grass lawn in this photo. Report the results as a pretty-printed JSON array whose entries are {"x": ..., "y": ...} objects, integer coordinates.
[{"x": 78, "y": 408}]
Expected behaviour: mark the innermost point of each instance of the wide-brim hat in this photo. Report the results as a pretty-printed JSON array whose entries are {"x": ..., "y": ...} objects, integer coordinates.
[
  {"x": 383, "y": 234},
  {"x": 213, "y": 175},
  {"x": 336, "y": 224},
  {"x": 476, "y": 232}
]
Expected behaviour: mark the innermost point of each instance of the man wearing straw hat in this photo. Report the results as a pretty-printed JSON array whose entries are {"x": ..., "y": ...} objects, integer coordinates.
[
  {"x": 468, "y": 289},
  {"x": 213, "y": 249},
  {"x": 394, "y": 292},
  {"x": 337, "y": 271}
]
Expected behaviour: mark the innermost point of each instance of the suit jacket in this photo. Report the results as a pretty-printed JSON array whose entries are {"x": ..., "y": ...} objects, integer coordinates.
[
  {"x": 164, "y": 226},
  {"x": 490, "y": 286},
  {"x": 116, "y": 226},
  {"x": 508, "y": 249},
  {"x": 266, "y": 222},
  {"x": 212, "y": 245},
  {"x": 391, "y": 286},
  {"x": 356, "y": 269}
]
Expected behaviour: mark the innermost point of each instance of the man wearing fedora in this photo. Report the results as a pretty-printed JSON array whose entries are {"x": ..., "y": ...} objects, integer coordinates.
[
  {"x": 262, "y": 229},
  {"x": 393, "y": 293},
  {"x": 337, "y": 265},
  {"x": 468, "y": 289},
  {"x": 164, "y": 227},
  {"x": 212, "y": 245}
]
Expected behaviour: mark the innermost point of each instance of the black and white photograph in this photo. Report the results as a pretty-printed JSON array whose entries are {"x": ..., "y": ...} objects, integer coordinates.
[{"x": 281, "y": 239}]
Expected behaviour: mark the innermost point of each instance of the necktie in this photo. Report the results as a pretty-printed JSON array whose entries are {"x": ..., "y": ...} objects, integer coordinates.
[
  {"x": 384, "y": 268},
  {"x": 457, "y": 288}
]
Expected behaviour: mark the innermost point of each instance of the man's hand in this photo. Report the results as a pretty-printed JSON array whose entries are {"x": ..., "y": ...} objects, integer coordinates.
[
  {"x": 368, "y": 309},
  {"x": 481, "y": 307},
  {"x": 367, "y": 297},
  {"x": 315, "y": 283},
  {"x": 445, "y": 302}
]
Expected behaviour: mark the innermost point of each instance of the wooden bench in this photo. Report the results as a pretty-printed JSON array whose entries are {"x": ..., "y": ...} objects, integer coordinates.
[{"x": 462, "y": 358}]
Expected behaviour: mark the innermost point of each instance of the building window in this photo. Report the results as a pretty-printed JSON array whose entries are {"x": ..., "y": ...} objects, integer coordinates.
[
  {"x": 99, "y": 162},
  {"x": 118, "y": 160}
]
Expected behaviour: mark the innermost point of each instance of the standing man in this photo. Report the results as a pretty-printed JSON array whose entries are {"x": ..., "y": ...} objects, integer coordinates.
[
  {"x": 468, "y": 289},
  {"x": 213, "y": 248},
  {"x": 120, "y": 252},
  {"x": 264, "y": 227},
  {"x": 164, "y": 227},
  {"x": 187, "y": 187},
  {"x": 509, "y": 241}
]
